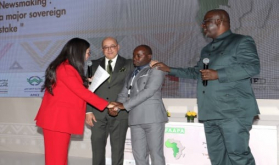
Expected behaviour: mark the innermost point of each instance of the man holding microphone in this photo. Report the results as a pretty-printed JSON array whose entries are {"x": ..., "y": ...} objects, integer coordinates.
[{"x": 226, "y": 100}]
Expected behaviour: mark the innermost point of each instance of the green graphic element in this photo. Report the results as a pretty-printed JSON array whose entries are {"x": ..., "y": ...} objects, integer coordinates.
[
  {"x": 173, "y": 146},
  {"x": 174, "y": 130},
  {"x": 34, "y": 80},
  {"x": 176, "y": 147}
]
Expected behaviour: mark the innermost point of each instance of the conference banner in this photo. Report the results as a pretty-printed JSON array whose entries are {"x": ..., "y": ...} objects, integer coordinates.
[{"x": 33, "y": 32}]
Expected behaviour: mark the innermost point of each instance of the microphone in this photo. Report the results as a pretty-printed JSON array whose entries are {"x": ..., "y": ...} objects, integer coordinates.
[
  {"x": 205, "y": 66},
  {"x": 89, "y": 71}
]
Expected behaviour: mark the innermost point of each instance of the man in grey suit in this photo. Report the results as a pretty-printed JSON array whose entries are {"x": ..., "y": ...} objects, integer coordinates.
[
  {"x": 102, "y": 124},
  {"x": 141, "y": 97},
  {"x": 226, "y": 103}
]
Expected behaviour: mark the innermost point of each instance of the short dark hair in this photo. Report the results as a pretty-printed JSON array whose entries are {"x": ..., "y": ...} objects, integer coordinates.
[{"x": 147, "y": 48}]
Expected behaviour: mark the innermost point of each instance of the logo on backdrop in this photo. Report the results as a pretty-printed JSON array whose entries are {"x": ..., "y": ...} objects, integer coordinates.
[
  {"x": 3, "y": 86},
  {"x": 174, "y": 145},
  {"x": 175, "y": 130},
  {"x": 35, "y": 82},
  {"x": 4, "y": 83}
]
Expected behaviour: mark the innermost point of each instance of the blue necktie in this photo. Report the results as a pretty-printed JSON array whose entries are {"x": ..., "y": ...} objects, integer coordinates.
[{"x": 137, "y": 70}]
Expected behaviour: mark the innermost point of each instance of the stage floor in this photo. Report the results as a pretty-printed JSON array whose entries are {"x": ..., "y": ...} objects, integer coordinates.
[{"x": 20, "y": 158}]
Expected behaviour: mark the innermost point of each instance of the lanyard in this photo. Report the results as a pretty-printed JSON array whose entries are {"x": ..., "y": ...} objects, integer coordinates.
[{"x": 130, "y": 87}]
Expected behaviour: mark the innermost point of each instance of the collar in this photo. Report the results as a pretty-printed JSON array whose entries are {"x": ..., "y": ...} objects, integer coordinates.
[
  {"x": 222, "y": 36},
  {"x": 113, "y": 60},
  {"x": 141, "y": 67}
]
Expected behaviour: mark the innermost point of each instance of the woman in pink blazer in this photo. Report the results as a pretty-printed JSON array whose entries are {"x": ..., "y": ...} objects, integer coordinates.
[{"x": 62, "y": 111}]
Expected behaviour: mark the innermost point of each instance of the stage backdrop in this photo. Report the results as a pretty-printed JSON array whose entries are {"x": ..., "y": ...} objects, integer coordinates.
[{"x": 32, "y": 33}]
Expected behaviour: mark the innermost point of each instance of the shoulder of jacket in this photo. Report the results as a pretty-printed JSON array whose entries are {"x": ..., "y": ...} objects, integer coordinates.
[
  {"x": 97, "y": 61},
  {"x": 124, "y": 58},
  {"x": 127, "y": 61},
  {"x": 66, "y": 68},
  {"x": 238, "y": 36},
  {"x": 157, "y": 71}
]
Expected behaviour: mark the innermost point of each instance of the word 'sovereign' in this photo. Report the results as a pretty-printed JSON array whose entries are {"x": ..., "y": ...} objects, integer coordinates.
[{"x": 18, "y": 16}]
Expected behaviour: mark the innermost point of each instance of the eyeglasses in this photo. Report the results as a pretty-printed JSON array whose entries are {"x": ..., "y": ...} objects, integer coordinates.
[{"x": 109, "y": 47}]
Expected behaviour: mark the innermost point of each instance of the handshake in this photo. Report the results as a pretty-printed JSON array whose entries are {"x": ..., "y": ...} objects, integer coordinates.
[{"x": 114, "y": 108}]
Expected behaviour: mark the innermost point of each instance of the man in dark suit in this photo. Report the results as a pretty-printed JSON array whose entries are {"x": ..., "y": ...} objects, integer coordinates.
[
  {"x": 227, "y": 104},
  {"x": 102, "y": 124}
]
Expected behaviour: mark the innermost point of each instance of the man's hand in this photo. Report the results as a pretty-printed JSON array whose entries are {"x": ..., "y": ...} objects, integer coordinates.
[
  {"x": 152, "y": 62},
  {"x": 112, "y": 112},
  {"x": 161, "y": 66},
  {"x": 119, "y": 106},
  {"x": 209, "y": 74},
  {"x": 116, "y": 105},
  {"x": 112, "y": 104},
  {"x": 90, "y": 117}
]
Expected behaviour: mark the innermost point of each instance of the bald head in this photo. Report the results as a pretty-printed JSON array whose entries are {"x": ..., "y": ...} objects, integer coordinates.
[
  {"x": 110, "y": 39},
  {"x": 215, "y": 23}
]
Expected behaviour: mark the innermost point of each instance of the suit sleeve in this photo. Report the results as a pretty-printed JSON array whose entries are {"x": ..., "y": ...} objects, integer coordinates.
[
  {"x": 70, "y": 77},
  {"x": 248, "y": 64},
  {"x": 154, "y": 83},
  {"x": 190, "y": 73}
]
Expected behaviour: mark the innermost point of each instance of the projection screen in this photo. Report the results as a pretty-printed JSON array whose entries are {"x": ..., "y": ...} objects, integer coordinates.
[{"x": 33, "y": 32}]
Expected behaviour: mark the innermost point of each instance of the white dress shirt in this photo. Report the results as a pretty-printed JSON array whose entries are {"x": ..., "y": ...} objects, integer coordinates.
[{"x": 112, "y": 63}]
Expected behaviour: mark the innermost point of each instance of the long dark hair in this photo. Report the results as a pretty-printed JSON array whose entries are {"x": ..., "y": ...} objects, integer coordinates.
[{"x": 74, "y": 51}]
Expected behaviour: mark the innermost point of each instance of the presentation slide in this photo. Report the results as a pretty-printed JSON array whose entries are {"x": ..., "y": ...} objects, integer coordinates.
[{"x": 33, "y": 32}]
